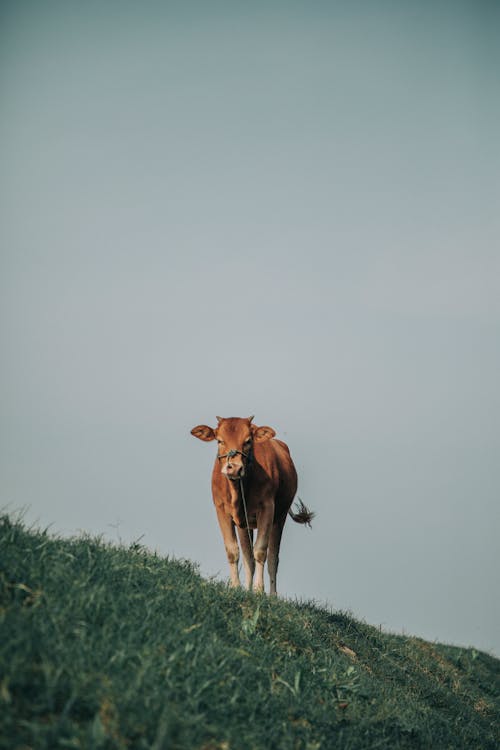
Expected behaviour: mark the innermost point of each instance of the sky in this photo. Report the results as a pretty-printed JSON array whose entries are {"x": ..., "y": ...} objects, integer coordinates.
[{"x": 282, "y": 209}]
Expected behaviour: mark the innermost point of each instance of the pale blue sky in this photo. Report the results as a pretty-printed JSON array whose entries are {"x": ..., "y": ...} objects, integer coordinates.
[{"x": 287, "y": 209}]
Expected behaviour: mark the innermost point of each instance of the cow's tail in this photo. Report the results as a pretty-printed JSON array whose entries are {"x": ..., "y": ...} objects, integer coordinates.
[{"x": 302, "y": 514}]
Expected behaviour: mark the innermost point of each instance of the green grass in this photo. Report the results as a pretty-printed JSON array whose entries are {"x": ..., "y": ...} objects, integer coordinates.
[{"x": 112, "y": 647}]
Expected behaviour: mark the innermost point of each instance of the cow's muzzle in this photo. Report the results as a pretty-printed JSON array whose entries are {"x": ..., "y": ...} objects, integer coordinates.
[
  {"x": 234, "y": 470},
  {"x": 234, "y": 467}
]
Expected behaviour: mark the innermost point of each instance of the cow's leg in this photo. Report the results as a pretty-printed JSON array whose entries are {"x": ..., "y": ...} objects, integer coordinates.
[
  {"x": 273, "y": 554},
  {"x": 246, "y": 543},
  {"x": 264, "y": 525},
  {"x": 230, "y": 543}
]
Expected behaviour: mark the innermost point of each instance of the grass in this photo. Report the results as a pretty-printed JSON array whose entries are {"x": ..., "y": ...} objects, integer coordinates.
[{"x": 107, "y": 647}]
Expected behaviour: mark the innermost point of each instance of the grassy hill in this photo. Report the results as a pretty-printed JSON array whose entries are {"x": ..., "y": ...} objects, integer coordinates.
[{"x": 112, "y": 647}]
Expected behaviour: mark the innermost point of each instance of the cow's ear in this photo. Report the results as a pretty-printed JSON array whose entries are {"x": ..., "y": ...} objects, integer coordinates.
[
  {"x": 203, "y": 432},
  {"x": 260, "y": 434}
]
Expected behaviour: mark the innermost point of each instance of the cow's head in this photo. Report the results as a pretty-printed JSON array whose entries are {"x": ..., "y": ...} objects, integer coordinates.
[{"x": 235, "y": 438}]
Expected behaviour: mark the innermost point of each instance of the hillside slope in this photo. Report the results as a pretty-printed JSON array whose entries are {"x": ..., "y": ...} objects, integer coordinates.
[{"x": 108, "y": 647}]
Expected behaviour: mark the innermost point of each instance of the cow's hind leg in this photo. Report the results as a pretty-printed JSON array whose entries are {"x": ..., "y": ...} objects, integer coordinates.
[
  {"x": 246, "y": 542},
  {"x": 273, "y": 554},
  {"x": 264, "y": 525},
  {"x": 231, "y": 544}
]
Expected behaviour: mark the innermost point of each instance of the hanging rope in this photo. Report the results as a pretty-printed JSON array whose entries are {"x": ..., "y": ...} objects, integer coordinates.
[{"x": 246, "y": 515}]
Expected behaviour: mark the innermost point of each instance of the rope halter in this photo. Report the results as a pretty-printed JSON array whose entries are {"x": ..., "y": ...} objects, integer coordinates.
[{"x": 231, "y": 454}]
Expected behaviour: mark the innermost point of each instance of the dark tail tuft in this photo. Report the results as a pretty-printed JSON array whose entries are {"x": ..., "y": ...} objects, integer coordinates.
[{"x": 302, "y": 513}]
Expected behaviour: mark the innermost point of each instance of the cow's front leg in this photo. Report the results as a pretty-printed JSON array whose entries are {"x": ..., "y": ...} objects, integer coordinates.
[
  {"x": 230, "y": 543},
  {"x": 246, "y": 542},
  {"x": 264, "y": 525}
]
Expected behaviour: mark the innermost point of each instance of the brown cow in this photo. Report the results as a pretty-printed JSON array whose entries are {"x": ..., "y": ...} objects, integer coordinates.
[{"x": 253, "y": 485}]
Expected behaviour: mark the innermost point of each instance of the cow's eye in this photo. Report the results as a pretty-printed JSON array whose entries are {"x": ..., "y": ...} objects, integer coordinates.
[{"x": 221, "y": 442}]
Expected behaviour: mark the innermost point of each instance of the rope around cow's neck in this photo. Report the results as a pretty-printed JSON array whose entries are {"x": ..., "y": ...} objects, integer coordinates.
[
  {"x": 246, "y": 515},
  {"x": 248, "y": 456}
]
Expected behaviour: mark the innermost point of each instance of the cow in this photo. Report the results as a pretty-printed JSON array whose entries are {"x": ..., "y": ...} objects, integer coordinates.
[{"x": 254, "y": 482}]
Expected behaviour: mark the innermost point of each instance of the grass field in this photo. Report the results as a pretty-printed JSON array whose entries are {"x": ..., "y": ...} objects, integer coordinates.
[{"x": 112, "y": 647}]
